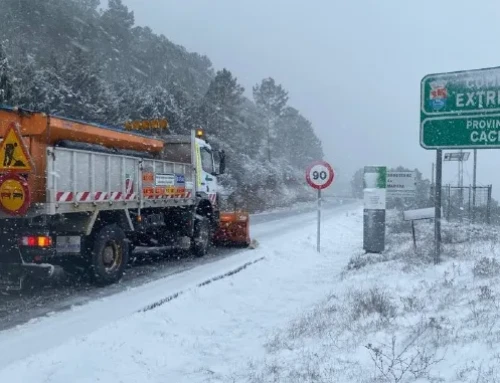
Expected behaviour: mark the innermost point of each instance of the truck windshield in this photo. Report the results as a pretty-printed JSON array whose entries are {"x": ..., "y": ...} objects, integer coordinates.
[{"x": 207, "y": 162}]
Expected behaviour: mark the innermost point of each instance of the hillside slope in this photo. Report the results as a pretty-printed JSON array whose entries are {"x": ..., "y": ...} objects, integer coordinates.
[{"x": 71, "y": 58}]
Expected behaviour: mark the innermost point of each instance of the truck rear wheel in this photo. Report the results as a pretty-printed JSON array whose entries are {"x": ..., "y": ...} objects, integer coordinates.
[
  {"x": 202, "y": 238},
  {"x": 109, "y": 255}
]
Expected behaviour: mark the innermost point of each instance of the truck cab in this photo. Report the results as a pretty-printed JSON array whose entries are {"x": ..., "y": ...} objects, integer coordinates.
[
  {"x": 208, "y": 168},
  {"x": 207, "y": 162}
]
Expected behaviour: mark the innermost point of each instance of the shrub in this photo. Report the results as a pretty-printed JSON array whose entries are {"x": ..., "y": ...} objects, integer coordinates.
[
  {"x": 486, "y": 267},
  {"x": 372, "y": 301}
]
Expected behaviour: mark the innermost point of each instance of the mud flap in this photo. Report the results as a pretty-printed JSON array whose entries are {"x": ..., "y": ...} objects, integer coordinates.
[{"x": 13, "y": 275}]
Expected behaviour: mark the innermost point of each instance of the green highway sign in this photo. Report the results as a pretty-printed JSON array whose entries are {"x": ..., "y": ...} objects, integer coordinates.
[
  {"x": 475, "y": 91},
  {"x": 460, "y": 109},
  {"x": 461, "y": 132}
]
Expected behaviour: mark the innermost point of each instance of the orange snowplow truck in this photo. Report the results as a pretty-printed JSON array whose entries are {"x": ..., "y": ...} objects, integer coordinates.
[{"x": 81, "y": 196}]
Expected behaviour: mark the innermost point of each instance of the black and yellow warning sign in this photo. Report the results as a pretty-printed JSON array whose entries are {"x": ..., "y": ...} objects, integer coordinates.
[
  {"x": 14, "y": 156},
  {"x": 14, "y": 194}
]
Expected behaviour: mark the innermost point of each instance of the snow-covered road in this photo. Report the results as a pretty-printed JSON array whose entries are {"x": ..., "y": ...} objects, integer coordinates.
[
  {"x": 46, "y": 299},
  {"x": 208, "y": 331}
]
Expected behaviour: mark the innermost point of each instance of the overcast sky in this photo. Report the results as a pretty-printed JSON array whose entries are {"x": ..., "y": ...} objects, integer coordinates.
[{"x": 352, "y": 67}]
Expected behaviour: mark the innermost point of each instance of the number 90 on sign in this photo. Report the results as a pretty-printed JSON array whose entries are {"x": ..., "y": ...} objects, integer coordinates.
[{"x": 320, "y": 175}]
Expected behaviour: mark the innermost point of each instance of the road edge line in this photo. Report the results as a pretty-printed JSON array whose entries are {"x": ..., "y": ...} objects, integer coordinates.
[{"x": 206, "y": 282}]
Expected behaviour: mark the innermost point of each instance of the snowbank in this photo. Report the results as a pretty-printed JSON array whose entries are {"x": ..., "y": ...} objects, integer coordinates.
[
  {"x": 209, "y": 333},
  {"x": 397, "y": 317}
]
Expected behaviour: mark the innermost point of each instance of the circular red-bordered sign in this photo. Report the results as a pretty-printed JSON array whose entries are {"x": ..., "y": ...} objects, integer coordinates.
[
  {"x": 320, "y": 175},
  {"x": 15, "y": 196}
]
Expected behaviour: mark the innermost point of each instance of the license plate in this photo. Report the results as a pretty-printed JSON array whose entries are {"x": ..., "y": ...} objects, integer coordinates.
[
  {"x": 70, "y": 244},
  {"x": 10, "y": 283}
]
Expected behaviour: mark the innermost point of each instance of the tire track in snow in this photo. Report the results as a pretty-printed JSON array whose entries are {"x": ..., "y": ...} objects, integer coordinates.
[{"x": 171, "y": 297}]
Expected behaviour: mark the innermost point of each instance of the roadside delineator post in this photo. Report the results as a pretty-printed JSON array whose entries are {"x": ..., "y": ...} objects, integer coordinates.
[{"x": 374, "y": 195}]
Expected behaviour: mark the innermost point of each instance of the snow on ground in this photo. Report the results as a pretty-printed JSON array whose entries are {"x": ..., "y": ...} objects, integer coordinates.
[
  {"x": 398, "y": 317},
  {"x": 299, "y": 316},
  {"x": 209, "y": 333},
  {"x": 303, "y": 206}
]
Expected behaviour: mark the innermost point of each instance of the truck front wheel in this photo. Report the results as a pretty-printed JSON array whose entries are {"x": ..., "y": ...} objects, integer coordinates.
[{"x": 109, "y": 255}]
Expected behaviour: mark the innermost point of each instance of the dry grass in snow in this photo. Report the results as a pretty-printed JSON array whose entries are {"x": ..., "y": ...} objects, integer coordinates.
[{"x": 398, "y": 317}]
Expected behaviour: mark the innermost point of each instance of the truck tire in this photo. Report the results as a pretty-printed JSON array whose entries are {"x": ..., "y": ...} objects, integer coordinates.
[
  {"x": 202, "y": 237},
  {"x": 109, "y": 255}
]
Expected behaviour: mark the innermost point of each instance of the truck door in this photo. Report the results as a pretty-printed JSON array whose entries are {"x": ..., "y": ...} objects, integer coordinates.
[{"x": 207, "y": 179}]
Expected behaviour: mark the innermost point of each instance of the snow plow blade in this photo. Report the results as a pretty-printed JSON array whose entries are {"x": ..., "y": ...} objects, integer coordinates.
[{"x": 234, "y": 230}]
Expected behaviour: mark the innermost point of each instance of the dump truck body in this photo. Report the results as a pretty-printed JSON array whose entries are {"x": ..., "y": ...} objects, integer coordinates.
[{"x": 82, "y": 180}]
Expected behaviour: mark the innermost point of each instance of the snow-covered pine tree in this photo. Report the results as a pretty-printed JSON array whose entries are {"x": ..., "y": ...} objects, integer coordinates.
[
  {"x": 5, "y": 81},
  {"x": 222, "y": 104},
  {"x": 88, "y": 95},
  {"x": 272, "y": 98}
]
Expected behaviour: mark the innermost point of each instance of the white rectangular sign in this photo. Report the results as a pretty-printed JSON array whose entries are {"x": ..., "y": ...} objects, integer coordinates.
[
  {"x": 374, "y": 198},
  {"x": 401, "y": 184},
  {"x": 165, "y": 179},
  {"x": 416, "y": 214}
]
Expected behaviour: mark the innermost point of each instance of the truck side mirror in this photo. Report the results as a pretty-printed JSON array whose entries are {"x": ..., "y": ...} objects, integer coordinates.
[{"x": 222, "y": 161}]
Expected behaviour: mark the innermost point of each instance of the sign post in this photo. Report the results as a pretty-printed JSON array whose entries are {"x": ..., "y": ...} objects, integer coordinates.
[
  {"x": 319, "y": 175},
  {"x": 474, "y": 186},
  {"x": 318, "y": 231},
  {"x": 438, "y": 201}
]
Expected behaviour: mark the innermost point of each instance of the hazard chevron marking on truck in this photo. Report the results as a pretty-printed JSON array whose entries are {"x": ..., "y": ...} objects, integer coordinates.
[
  {"x": 64, "y": 196},
  {"x": 83, "y": 196},
  {"x": 113, "y": 196},
  {"x": 100, "y": 196},
  {"x": 130, "y": 196}
]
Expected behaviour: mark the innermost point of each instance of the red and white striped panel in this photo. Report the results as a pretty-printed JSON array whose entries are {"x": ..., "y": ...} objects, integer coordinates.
[
  {"x": 64, "y": 197},
  {"x": 129, "y": 186},
  {"x": 84, "y": 196},
  {"x": 212, "y": 198},
  {"x": 115, "y": 196},
  {"x": 130, "y": 196},
  {"x": 100, "y": 196},
  {"x": 97, "y": 196}
]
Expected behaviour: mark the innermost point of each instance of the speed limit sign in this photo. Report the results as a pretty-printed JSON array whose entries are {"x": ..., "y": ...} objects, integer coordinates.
[{"x": 320, "y": 175}]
